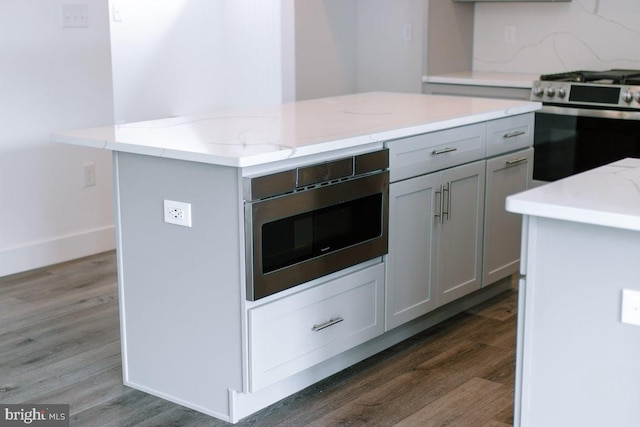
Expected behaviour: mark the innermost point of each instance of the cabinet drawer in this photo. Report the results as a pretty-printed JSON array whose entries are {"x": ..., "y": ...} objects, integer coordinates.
[
  {"x": 509, "y": 134},
  {"x": 296, "y": 332},
  {"x": 420, "y": 154}
]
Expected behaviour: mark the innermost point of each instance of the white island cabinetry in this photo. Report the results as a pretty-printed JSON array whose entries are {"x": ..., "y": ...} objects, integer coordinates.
[
  {"x": 189, "y": 332},
  {"x": 449, "y": 232}
]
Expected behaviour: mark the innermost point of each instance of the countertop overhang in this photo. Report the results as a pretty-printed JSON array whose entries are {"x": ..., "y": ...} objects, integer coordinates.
[
  {"x": 607, "y": 196},
  {"x": 484, "y": 78},
  {"x": 255, "y": 136}
]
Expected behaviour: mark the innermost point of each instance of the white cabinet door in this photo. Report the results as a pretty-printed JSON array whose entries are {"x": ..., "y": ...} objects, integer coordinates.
[
  {"x": 506, "y": 175},
  {"x": 460, "y": 239},
  {"x": 410, "y": 274},
  {"x": 435, "y": 241}
]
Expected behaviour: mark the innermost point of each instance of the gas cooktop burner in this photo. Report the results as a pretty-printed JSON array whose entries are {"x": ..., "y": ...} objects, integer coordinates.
[
  {"x": 612, "y": 89},
  {"x": 619, "y": 77}
]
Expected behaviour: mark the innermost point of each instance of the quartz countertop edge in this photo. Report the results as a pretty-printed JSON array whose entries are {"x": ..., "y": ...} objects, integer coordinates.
[
  {"x": 262, "y": 135},
  {"x": 484, "y": 78},
  {"x": 607, "y": 196}
]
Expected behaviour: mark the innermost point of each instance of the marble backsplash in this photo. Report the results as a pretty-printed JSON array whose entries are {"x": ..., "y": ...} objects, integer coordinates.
[{"x": 553, "y": 37}]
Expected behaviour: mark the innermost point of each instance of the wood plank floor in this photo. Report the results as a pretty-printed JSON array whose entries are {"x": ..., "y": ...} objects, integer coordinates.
[{"x": 60, "y": 343}]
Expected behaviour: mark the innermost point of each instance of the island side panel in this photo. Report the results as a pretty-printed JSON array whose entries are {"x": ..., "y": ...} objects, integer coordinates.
[
  {"x": 580, "y": 362},
  {"x": 180, "y": 286}
]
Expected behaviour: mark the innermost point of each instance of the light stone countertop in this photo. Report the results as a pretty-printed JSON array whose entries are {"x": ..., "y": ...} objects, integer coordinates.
[
  {"x": 484, "y": 78},
  {"x": 261, "y": 135},
  {"x": 607, "y": 196}
]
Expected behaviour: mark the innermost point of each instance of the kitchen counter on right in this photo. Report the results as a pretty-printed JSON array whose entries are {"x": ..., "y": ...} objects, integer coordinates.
[
  {"x": 608, "y": 196},
  {"x": 577, "y": 348}
]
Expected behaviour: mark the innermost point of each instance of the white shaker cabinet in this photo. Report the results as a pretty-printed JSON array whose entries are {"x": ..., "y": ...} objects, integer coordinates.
[
  {"x": 506, "y": 175},
  {"x": 461, "y": 227},
  {"x": 410, "y": 271},
  {"x": 435, "y": 240}
]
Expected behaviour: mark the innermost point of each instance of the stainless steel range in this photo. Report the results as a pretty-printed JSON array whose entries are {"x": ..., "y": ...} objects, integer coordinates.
[{"x": 588, "y": 119}]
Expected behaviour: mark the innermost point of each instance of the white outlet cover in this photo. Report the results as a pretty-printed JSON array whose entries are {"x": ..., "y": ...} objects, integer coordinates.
[
  {"x": 178, "y": 213},
  {"x": 631, "y": 307},
  {"x": 75, "y": 15}
]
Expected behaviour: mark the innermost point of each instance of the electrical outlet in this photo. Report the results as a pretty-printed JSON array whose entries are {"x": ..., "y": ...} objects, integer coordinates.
[
  {"x": 178, "y": 213},
  {"x": 75, "y": 15},
  {"x": 89, "y": 173},
  {"x": 407, "y": 32},
  {"x": 630, "y": 307},
  {"x": 116, "y": 12},
  {"x": 510, "y": 34}
]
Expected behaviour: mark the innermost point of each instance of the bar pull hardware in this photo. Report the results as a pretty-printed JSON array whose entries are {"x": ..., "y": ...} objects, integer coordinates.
[
  {"x": 514, "y": 162},
  {"x": 328, "y": 323},
  {"x": 448, "y": 211},
  {"x": 444, "y": 150},
  {"x": 513, "y": 134},
  {"x": 439, "y": 198}
]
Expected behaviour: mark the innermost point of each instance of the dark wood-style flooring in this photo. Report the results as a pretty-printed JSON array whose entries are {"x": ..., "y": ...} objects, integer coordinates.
[{"x": 60, "y": 343}]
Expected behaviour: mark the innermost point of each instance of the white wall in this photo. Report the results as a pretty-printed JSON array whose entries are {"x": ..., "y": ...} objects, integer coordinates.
[
  {"x": 51, "y": 79},
  {"x": 391, "y": 51},
  {"x": 325, "y": 48},
  {"x": 354, "y": 46},
  {"x": 554, "y": 37},
  {"x": 177, "y": 57}
]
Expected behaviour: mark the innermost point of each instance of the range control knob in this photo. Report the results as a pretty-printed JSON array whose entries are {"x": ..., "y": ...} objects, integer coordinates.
[
  {"x": 637, "y": 96},
  {"x": 538, "y": 91},
  {"x": 551, "y": 92},
  {"x": 627, "y": 97},
  {"x": 562, "y": 93}
]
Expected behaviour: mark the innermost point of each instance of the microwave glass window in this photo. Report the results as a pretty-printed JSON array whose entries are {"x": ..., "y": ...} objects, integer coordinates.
[{"x": 297, "y": 238}]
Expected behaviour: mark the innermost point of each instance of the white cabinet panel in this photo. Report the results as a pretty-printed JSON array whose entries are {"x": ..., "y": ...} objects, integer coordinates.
[
  {"x": 429, "y": 152},
  {"x": 506, "y": 175},
  {"x": 410, "y": 276},
  {"x": 460, "y": 246},
  {"x": 435, "y": 248},
  {"x": 509, "y": 134},
  {"x": 296, "y": 332}
]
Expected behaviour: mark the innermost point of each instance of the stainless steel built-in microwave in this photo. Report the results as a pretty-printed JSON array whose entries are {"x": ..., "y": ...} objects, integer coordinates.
[{"x": 307, "y": 222}]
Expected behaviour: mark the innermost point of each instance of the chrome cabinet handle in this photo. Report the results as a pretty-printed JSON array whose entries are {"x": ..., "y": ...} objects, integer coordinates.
[
  {"x": 444, "y": 150},
  {"x": 448, "y": 211},
  {"x": 514, "y": 162},
  {"x": 439, "y": 198},
  {"x": 328, "y": 323},
  {"x": 513, "y": 134}
]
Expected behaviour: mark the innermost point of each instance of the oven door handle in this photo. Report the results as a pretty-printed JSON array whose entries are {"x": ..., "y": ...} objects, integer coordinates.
[{"x": 588, "y": 112}]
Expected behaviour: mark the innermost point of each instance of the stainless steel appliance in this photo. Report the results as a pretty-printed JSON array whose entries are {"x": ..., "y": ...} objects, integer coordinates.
[
  {"x": 588, "y": 119},
  {"x": 310, "y": 221}
]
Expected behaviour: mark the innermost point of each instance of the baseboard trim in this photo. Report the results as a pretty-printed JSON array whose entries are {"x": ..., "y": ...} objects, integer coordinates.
[{"x": 39, "y": 254}]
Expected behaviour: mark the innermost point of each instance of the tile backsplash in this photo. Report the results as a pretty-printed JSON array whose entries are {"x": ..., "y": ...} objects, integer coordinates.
[{"x": 555, "y": 37}]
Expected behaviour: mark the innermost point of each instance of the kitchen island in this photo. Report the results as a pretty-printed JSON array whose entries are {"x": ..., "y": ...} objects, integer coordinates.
[
  {"x": 191, "y": 334},
  {"x": 577, "y": 357}
]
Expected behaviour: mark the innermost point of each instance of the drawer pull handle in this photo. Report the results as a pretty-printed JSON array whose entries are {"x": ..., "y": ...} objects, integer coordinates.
[
  {"x": 516, "y": 161},
  {"x": 513, "y": 134},
  {"x": 444, "y": 150},
  {"x": 328, "y": 323}
]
